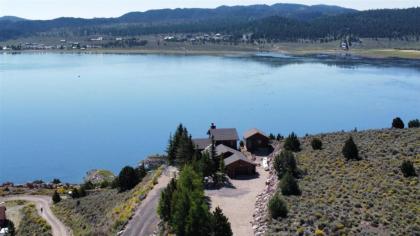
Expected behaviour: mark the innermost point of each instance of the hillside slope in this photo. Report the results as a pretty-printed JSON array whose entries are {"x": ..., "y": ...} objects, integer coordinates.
[{"x": 367, "y": 197}]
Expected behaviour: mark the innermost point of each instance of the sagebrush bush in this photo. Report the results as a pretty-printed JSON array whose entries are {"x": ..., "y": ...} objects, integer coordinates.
[
  {"x": 397, "y": 123},
  {"x": 316, "y": 144},
  {"x": 277, "y": 207},
  {"x": 407, "y": 168},
  {"x": 350, "y": 150}
]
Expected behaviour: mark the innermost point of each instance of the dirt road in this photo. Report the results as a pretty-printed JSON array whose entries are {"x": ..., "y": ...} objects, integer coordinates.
[
  {"x": 238, "y": 203},
  {"x": 44, "y": 202},
  {"x": 145, "y": 219}
]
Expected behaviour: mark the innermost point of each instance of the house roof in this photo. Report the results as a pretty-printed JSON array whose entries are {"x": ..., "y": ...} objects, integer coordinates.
[
  {"x": 2, "y": 212},
  {"x": 201, "y": 143},
  {"x": 221, "y": 149},
  {"x": 237, "y": 156},
  {"x": 224, "y": 134},
  {"x": 252, "y": 132}
]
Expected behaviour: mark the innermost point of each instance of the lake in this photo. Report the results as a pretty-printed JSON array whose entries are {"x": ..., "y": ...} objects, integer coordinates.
[{"x": 64, "y": 114}]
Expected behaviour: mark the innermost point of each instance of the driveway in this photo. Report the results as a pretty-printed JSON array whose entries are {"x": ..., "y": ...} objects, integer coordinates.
[
  {"x": 238, "y": 202},
  {"x": 44, "y": 202},
  {"x": 145, "y": 219}
]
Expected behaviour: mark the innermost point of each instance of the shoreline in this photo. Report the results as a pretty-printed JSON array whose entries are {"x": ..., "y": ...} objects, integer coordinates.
[{"x": 368, "y": 54}]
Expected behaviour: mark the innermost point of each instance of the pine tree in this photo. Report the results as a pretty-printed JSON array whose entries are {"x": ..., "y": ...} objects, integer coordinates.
[
  {"x": 75, "y": 193},
  {"x": 292, "y": 143},
  {"x": 128, "y": 178},
  {"x": 277, "y": 207},
  {"x": 220, "y": 224},
  {"x": 165, "y": 201},
  {"x": 289, "y": 185},
  {"x": 397, "y": 123},
  {"x": 56, "y": 197},
  {"x": 350, "y": 150},
  {"x": 414, "y": 123},
  {"x": 285, "y": 162}
]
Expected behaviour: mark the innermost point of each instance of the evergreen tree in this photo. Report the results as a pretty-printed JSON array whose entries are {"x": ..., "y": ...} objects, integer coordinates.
[
  {"x": 285, "y": 162},
  {"x": 75, "y": 193},
  {"x": 220, "y": 224},
  {"x": 292, "y": 143},
  {"x": 414, "y": 123},
  {"x": 289, "y": 185},
  {"x": 56, "y": 197},
  {"x": 128, "y": 178},
  {"x": 277, "y": 207},
  {"x": 82, "y": 191},
  {"x": 165, "y": 201},
  {"x": 350, "y": 150},
  {"x": 141, "y": 171},
  {"x": 397, "y": 123},
  {"x": 407, "y": 168}
]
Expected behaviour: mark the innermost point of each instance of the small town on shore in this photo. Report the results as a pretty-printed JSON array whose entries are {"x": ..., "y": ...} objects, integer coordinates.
[{"x": 255, "y": 185}]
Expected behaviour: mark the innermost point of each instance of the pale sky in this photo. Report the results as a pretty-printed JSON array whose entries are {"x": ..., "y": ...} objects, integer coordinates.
[{"x": 48, "y": 9}]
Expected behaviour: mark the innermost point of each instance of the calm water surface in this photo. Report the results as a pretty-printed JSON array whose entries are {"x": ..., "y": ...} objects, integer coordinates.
[{"x": 63, "y": 114}]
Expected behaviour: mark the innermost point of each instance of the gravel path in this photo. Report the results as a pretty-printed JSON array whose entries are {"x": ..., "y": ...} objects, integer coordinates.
[
  {"x": 44, "y": 202},
  {"x": 145, "y": 219},
  {"x": 238, "y": 203}
]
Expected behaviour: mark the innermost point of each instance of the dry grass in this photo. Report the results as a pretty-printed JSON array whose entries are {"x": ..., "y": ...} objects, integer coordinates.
[{"x": 367, "y": 197}]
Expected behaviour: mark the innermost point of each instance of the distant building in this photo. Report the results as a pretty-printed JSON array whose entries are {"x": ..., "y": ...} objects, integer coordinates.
[
  {"x": 237, "y": 164},
  {"x": 226, "y": 136},
  {"x": 256, "y": 139}
]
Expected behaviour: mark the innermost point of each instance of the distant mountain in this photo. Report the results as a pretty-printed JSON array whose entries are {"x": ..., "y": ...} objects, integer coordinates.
[
  {"x": 11, "y": 18},
  {"x": 275, "y": 22},
  {"x": 230, "y": 15}
]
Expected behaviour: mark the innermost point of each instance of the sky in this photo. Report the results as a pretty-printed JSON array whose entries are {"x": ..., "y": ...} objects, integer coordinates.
[{"x": 49, "y": 9}]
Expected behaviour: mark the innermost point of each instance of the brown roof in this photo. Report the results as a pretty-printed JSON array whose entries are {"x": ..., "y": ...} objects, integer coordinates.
[
  {"x": 252, "y": 132},
  {"x": 224, "y": 134},
  {"x": 2, "y": 212},
  {"x": 201, "y": 143},
  {"x": 237, "y": 156}
]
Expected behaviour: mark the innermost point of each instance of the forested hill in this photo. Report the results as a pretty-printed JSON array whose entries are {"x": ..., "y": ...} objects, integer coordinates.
[
  {"x": 159, "y": 20},
  {"x": 275, "y": 22}
]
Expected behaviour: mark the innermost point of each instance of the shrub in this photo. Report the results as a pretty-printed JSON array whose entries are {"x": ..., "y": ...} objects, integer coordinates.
[
  {"x": 285, "y": 162},
  {"x": 407, "y": 168},
  {"x": 316, "y": 144},
  {"x": 289, "y": 185},
  {"x": 414, "y": 123},
  {"x": 128, "y": 178},
  {"x": 292, "y": 143},
  {"x": 271, "y": 136},
  {"x": 277, "y": 207},
  {"x": 350, "y": 150},
  {"x": 56, "y": 197},
  {"x": 397, "y": 123},
  {"x": 56, "y": 181},
  {"x": 220, "y": 224},
  {"x": 241, "y": 143},
  {"x": 279, "y": 137},
  {"x": 11, "y": 227},
  {"x": 82, "y": 191},
  {"x": 75, "y": 193}
]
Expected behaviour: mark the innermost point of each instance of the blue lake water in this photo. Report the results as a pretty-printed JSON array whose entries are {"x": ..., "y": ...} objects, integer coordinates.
[{"x": 64, "y": 114}]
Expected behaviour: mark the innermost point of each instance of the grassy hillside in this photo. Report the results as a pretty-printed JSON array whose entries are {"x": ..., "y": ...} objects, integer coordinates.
[
  {"x": 367, "y": 197},
  {"x": 105, "y": 211},
  {"x": 32, "y": 224}
]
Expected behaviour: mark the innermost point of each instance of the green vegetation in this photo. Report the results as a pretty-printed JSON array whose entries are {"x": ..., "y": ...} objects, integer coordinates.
[
  {"x": 277, "y": 207},
  {"x": 11, "y": 227},
  {"x": 407, "y": 168},
  {"x": 220, "y": 224},
  {"x": 316, "y": 144},
  {"x": 56, "y": 197},
  {"x": 414, "y": 123},
  {"x": 104, "y": 211},
  {"x": 284, "y": 163},
  {"x": 128, "y": 178},
  {"x": 184, "y": 208},
  {"x": 292, "y": 143},
  {"x": 397, "y": 123},
  {"x": 350, "y": 150},
  {"x": 32, "y": 223},
  {"x": 56, "y": 181},
  {"x": 366, "y": 197},
  {"x": 289, "y": 185}
]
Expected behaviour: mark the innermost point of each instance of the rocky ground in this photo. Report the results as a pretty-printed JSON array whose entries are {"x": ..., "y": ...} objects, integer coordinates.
[{"x": 339, "y": 197}]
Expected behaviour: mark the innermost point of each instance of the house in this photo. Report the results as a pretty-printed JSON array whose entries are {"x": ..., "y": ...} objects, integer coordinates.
[
  {"x": 201, "y": 143},
  {"x": 226, "y": 136},
  {"x": 222, "y": 150},
  {"x": 255, "y": 140},
  {"x": 237, "y": 164},
  {"x": 2, "y": 216}
]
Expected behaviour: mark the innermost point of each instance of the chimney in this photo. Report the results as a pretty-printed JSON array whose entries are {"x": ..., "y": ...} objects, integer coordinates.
[{"x": 212, "y": 126}]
